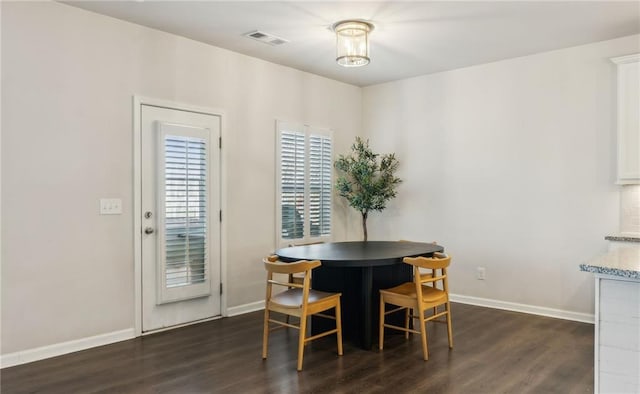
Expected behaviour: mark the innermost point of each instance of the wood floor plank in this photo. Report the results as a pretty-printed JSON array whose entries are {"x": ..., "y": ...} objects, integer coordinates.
[{"x": 494, "y": 352}]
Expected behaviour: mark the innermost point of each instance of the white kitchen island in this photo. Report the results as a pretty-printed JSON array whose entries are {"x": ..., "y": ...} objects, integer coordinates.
[{"x": 617, "y": 320}]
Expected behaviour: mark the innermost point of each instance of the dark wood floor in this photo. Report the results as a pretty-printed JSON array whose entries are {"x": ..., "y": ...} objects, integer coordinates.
[{"x": 494, "y": 352}]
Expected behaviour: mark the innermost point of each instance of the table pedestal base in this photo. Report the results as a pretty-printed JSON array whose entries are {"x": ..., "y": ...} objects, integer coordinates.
[{"x": 360, "y": 297}]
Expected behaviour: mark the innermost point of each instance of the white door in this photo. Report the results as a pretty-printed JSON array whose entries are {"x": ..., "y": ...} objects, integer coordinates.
[{"x": 180, "y": 170}]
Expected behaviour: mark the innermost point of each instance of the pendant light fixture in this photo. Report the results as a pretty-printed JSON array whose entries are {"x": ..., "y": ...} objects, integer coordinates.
[{"x": 352, "y": 42}]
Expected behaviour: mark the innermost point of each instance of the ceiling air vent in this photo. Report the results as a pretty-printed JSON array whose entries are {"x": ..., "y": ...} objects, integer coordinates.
[{"x": 266, "y": 38}]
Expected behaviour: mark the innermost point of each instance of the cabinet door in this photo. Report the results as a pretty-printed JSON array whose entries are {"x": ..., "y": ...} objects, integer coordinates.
[{"x": 628, "y": 118}]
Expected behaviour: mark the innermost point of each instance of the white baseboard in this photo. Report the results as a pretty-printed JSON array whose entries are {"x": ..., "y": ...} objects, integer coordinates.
[
  {"x": 246, "y": 308},
  {"x": 58, "y": 349},
  {"x": 524, "y": 308}
]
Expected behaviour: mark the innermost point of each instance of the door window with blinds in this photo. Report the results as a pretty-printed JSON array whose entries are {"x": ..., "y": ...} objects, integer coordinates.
[
  {"x": 183, "y": 191},
  {"x": 304, "y": 184}
]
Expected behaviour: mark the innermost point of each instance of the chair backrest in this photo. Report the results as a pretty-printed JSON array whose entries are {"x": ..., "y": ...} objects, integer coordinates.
[
  {"x": 439, "y": 261},
  {"x": 274, "y": 266}
]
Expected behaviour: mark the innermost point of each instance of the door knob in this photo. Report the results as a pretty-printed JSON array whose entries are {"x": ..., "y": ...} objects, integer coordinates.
[{"x": 148, "y": 230}]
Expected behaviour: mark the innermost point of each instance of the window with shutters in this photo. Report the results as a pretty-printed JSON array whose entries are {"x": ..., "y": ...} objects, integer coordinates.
[
  {"x": 185, "y": 210},
  {"x": 304, "y": 184}
]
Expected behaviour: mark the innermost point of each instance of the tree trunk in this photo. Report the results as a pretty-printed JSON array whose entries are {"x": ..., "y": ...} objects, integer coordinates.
[{"x": 364, "y": 224}]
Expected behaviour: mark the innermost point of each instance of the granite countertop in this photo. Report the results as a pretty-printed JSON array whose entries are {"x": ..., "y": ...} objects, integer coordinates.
[{"x": 623, "y": 262}]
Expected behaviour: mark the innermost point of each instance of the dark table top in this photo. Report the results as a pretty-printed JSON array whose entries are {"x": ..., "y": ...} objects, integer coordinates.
[{"x": 358, "y": 254}]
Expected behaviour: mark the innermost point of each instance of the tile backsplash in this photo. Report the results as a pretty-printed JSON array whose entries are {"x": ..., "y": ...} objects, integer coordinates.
[{"x": 630, "y": 209}]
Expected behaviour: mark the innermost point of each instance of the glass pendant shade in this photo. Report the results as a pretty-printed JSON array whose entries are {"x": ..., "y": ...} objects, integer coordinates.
[{"x": 352, "y": 43}]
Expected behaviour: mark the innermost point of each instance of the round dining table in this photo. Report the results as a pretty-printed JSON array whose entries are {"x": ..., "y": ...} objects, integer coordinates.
[{"x": 358, "y": 270}]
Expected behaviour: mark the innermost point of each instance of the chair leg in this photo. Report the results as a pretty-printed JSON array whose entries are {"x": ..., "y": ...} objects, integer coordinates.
[
  {"x": 423, "y": 336},
  {"x": 339, "y": 327},
  {"x": 381, "y": 324},
  {"x": 407, "y": 313},
  {"x": 290, "y": 278},
  {"x": 265, "y": 334},
  {"x": 303, "y": 333},
  {"x": 449, "y": 331}
]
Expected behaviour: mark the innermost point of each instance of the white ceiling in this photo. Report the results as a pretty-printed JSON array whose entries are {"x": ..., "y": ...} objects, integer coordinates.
[{"x": 410, "y": 38}]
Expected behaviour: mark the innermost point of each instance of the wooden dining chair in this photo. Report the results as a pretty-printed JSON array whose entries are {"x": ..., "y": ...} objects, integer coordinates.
[
  {"x": 297, "y": 278},
  {"x": 420, "y": 295},
  {"x": 298, "y": 300}
]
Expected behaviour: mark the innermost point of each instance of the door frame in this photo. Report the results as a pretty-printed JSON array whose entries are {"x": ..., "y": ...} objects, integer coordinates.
[{"x": 138, "y": 101}]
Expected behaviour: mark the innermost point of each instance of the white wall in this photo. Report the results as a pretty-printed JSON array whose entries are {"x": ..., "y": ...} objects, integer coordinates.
[
  {"x": 68, "y": 79},
  {"x": 509, "y": 165}
]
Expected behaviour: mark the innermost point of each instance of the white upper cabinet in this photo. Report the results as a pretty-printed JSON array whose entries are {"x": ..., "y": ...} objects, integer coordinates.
[{"x": 628, "y": 118}]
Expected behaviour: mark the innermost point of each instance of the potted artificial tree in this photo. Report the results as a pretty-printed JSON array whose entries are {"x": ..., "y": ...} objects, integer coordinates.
[{"x": 366, "y": 180}]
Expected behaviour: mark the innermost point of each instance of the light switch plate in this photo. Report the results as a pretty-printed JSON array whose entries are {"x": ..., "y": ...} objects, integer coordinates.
[{"x": 110, "y": 206}]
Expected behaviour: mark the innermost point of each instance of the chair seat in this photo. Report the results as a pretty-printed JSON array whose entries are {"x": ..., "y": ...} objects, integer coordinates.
[
  {"x": 292, "y": 298},
  {"x": 408, "y": 289}
]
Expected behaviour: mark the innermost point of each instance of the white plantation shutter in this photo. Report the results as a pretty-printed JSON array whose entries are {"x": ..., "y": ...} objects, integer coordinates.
[
  {"x": 183, "y": 215},
  {"x": 320, "y": 169},
  {"x": 185, "y": 210},
  {"x": 304, "y": 189},
  {"x": 292, "y": 175}
]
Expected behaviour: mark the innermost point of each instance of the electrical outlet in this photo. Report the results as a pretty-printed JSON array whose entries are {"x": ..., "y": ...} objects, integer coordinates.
[{"x": 481, "y": 273}]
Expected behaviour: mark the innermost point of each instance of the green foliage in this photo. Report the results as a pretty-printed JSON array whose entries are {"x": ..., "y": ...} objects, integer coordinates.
[{"x": 365, "y": 181}]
